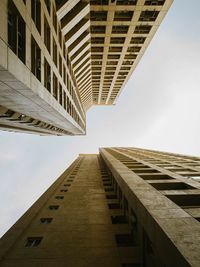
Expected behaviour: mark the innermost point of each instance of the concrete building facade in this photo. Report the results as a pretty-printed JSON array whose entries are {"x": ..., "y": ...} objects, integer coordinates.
[
  {"x": 125, "y": 207},
  {"x": 59, "y": 58}
]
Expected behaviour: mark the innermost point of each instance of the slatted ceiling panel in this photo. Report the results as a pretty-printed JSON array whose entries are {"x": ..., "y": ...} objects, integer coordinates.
[
  {"x": 85, "y": 47},
  {"x": 85, "y": 78},
  {"x": 82, "y": 74},
  {"x": 75, "y": 22}
]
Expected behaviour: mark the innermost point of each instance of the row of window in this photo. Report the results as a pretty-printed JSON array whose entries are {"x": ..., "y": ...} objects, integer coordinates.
[
  {"x": 147, "y": 15},
  {"x": 36, "y": 17},
  {"x": 17, "y": 42},
  {"x": 47, "y": 41},
  {"x": 56, "y": 90},
  {"x": 36, "y": 240},
  {"x": 128, "y": 2},
  {"x": 121, "y": 29}
]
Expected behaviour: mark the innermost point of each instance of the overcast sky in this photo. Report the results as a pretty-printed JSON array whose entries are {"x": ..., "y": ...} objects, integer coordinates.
[{"x": 159, "y": 108}]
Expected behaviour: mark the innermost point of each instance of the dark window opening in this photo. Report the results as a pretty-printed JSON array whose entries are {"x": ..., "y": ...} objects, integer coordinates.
[
  {"x": 113, "y": 205},
  {"x": 142, "y": 29},
  {"x": 98, "y": 15},
  {"x": 154, "y": 2},
  {"x": 55, "y": 86},
  {"x": 48, "y": 6},
  {"x": 111, "y": 196},
  {"x": 47, "y": 75},
  {"x": 59, "y": 197},
  {"x": 186, "y": 201},
  {"x": 120, "y": 29},
  {"x": 148, "y": 15},
  {"x": 98, "y": 29},
  {"x": 126, "y": 2},
  {"x": 46, "y": 220},
  {"x": 123, "y": 16},
  {"x": 119, "y": 219},
  {"x": 35, "y": 59},
  {"x": 65, "y": 98},
  {"x": 60, "y": 94},
  {"x": 117, "y": 40},
  {"x": 60, "y": 65},
  {"x": 55, "y": 20},
  {"x": 171, "y": 186},
  {"x": 36, "y": 13},
  {"x": 99, "y": 2},
  {"x": 55, "y": 52},
  {"x": 16, "y": 32},
  {"x": 47, "y": 35},
  {"x": 60, "y": 37},
  {"x": 138, "y": 40},
  {"x": 33, "y": 241},
  {"x": 109, "y": 189},
  {"x": 53, "y": 207},
  {"x": 124, "y": 240}
]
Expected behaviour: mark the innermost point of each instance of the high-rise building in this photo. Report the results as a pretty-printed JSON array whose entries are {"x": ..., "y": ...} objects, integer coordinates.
[
  {"x": 59, "y": 58},
  {"x": 125, "y": 207}
]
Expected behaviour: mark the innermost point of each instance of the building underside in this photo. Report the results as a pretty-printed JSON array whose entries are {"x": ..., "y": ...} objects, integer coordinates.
[{"x": 59, "y": 58}]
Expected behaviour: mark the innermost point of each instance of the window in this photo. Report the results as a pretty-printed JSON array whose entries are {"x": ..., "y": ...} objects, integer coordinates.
[
  {"x": 55, "y": 87},
  {"x": 35, "y": 59},
  {"x": 60, "y": 65},
  {"x": 65, "y": 100},
  {"x": 60, "y": 94},
  {"x": 120, "y": 29},
  {"x": 98, "y": 15},
  {"x": 124, "y": 240},
  {"x": 16, "y": 32},
  {"x": 48, "y": 6},
  {"x": 64, "y": 74},
  {"x": 154, "y": 2},
  {"x": 33, "y": 241},
  {"x": 63, "y": 190},
  {"x": 138, "y": 40},
  {"x": 119, "y": 219},
  {"x": 46, "y": 220},
  {"x": 36, "y": 13},
  {"x": 134, "y": 49},
  {"x": 47, "y": 35},
  {"x": 54, "y": 52},
  {"x": 97, "y": 40},
  {"x": 117, "y": 40},
  {"x": 142, "y": 29},
  {"x": 59, "y": 197},
  {"x": 99, "y": 2},
  {"x": 64, "y": 50},
  {"x": 123, "y": 15},
  {"x": 54, "y": 20},
  {"x": 126, "y": 2},
  {"x": 53, "y": 207},
  {"x": 98, "y": 29},
  {"x": 60, "y": 37},
  {"x": 47, "y": 75},
  {"x": 148, "y": 15}
]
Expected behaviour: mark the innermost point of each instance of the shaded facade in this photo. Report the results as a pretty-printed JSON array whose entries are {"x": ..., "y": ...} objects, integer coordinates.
[
  {"x": 125, "y": 207},
  {"x": 59, "y": 58}
]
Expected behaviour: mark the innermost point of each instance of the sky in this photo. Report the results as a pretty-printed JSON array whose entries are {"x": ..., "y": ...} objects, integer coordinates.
[{"x": 158, "y": 109}]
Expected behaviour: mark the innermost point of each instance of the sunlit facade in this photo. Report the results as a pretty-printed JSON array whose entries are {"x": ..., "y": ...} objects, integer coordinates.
[{"x": 124, "y": 207}]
